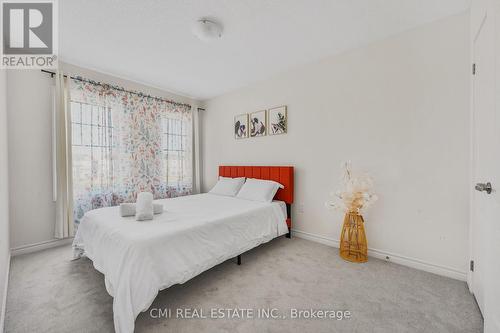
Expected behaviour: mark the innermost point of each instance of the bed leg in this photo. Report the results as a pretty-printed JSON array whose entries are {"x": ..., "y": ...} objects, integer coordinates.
[
  {"x": 238, "y": 259},
  {"x": 289, "y": 220}
]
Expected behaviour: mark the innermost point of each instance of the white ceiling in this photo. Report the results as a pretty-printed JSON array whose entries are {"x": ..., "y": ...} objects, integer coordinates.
[{"x": 150, "y": 41}]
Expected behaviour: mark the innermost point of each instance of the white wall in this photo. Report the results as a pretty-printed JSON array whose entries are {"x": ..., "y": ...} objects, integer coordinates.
[
  {"x": 30, "y": 164},
  {"x": 398, "y": 109},
  {"x": 4, "y": 195},
  {"x": 32, "y": 211}
]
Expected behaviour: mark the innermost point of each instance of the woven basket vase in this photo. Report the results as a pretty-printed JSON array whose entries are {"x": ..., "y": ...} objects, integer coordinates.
[{"x": 353, "y": 246}]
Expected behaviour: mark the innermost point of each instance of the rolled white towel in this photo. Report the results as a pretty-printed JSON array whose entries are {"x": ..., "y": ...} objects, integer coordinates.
[
  {"x": 144, "y": 206},
  {"x": 128, "y": 209},
  {"x": 157, "y": 208}
]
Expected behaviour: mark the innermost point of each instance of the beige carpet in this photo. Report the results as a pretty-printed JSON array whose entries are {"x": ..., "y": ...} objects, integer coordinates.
[{"x": 50, "y": 293}]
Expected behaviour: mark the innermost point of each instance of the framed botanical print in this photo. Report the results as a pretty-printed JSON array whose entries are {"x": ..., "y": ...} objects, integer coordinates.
[
  {"x": 241, "y": 126},
  {"x": 278, "y": 121},
  {"x": 258, "y": 124}
]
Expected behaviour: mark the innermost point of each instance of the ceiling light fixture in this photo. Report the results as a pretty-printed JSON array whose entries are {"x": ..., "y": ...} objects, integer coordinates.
[{"x": 207, "y": 30}]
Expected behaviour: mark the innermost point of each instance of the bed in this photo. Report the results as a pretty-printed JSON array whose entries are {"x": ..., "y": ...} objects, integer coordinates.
[{"x": 195, "y": 233}]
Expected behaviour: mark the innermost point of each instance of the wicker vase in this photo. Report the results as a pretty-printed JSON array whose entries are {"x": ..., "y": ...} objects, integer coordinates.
[{"x": 353, "y": 245}]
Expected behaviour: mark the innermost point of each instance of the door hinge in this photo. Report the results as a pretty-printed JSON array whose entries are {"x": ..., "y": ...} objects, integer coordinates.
[
  {"x": 473, "y": 69},
  {"x": 472, "y": 266}
]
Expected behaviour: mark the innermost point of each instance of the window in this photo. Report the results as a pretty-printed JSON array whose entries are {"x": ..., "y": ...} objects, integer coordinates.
[
  {"x": 125, "y": 143},
  {"x": 92, "y": 142},
  {"x": 176, "y": 150}
]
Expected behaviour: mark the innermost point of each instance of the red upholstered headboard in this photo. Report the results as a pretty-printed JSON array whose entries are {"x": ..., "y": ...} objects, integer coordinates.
[{"x": 280, "y": 174}]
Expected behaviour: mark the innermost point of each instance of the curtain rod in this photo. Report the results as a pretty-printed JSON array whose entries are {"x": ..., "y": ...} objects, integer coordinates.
[{"x": 119, "y": 89}]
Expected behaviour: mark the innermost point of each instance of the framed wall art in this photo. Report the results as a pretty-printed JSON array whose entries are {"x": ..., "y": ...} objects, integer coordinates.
[
  {"x": 278, "y": 121},
  {"x": 258, "y": 124},
  {"x": 241, "y": 126}
]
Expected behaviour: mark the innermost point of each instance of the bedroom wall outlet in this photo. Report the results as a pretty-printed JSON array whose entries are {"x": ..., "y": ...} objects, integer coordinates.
[{"x": 300, "y": 208}]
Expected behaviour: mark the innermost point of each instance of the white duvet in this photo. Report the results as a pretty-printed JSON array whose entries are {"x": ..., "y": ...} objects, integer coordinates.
[{"x": 193, "y": 234}]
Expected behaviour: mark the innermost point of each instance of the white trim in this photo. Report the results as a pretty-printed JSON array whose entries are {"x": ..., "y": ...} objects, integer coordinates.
[
  {"x": 388, "y": 256},
  {"x": 40, "y": 246},
  {"x": 316, "y": 238},
  {"x": 4, "y": 301},
  {"x": 472, "y": 161}
]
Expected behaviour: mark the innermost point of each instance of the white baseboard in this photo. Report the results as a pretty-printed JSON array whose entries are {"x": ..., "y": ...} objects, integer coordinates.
[
  {"x": 4, "y": 300},
  {"x": 388, "y": 256},
  {"x": 40, "y": 246}
]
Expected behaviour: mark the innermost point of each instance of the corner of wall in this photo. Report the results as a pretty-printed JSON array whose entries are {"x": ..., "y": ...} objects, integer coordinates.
[
  {"x": 4, "y": 293},
  {"x": 4, "y": 201}
]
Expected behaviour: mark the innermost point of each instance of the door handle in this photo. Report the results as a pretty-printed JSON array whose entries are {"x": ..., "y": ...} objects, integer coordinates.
[{"x": 484, "y": 187}]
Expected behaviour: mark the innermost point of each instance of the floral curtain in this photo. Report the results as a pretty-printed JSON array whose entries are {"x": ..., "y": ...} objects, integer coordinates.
[{"x": 125, "y": 143}]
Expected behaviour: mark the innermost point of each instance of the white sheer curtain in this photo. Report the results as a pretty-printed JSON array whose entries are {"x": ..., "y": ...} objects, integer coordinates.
[
  {"x": 63, "y": 186},
  {"x": 125, "y": 143}
]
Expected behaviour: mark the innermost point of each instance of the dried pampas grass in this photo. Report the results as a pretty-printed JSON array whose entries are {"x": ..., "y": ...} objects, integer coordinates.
[{"x": 356, "y": 194}]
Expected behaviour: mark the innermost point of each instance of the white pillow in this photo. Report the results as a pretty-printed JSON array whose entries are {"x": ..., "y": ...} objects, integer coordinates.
[
  {"x": 259, "y": 190},
  {"x": 228, "y": 186}
]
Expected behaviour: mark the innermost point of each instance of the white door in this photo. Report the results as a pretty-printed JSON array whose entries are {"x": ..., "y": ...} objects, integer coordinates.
[{"x": 485, "y": 231}]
